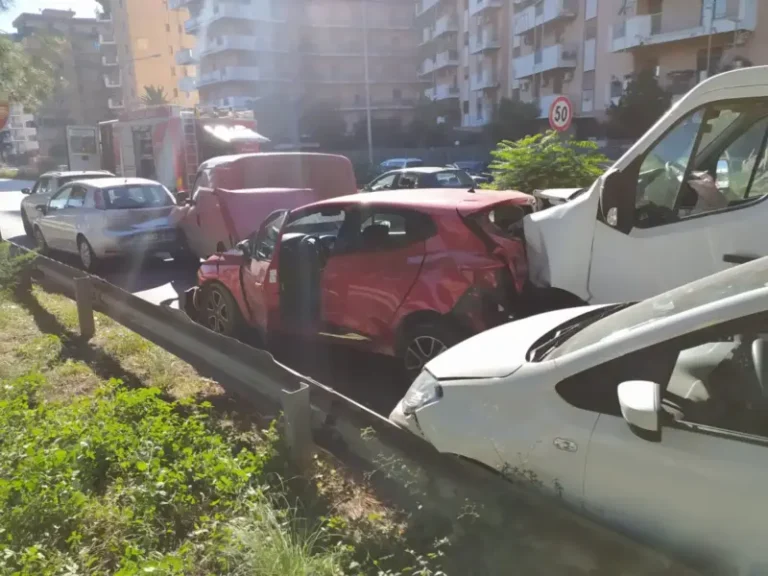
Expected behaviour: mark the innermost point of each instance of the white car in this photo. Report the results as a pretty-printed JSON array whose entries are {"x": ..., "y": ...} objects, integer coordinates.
[{"x": 652, "y": 416}]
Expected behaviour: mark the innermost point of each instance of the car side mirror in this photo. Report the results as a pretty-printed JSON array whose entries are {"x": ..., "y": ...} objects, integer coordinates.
[
  {"x": 26, "y": 191},
  {"x": 245, "y": 247},
  {"x": 182, "y": 197},
  {"x": 640, "y": 402},
  {"x": 42, "y": 208}
]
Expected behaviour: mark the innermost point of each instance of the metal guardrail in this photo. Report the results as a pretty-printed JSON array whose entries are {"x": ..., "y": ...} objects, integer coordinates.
[{"x": 354, "y": 434}]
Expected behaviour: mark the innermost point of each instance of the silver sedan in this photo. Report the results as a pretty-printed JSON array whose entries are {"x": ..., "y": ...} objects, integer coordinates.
[{"x": 105, "y": 218}]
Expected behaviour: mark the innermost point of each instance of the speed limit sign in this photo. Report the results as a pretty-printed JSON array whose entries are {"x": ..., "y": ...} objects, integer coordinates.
[{"x": 561, "y": 114}]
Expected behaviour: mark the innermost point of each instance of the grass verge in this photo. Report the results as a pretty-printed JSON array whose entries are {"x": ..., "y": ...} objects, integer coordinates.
[{"x": 118, "y": 458}]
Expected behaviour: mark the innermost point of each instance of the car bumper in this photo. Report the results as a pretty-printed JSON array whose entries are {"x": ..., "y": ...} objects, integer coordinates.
[
  {"x": 406, "y": 421},
  {"x": 118, "y": 243}
]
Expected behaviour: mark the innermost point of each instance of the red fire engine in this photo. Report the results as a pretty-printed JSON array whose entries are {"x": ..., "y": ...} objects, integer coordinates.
[{"x": 168, "y": 143}]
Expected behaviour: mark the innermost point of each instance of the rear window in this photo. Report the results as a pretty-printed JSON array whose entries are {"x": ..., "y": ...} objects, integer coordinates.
[
  {"x": 505, "y": 220},
  {"x": 454, "y": 179},
  {"x": 66, "y": 179},
  {"x": 137, "y": 196}
]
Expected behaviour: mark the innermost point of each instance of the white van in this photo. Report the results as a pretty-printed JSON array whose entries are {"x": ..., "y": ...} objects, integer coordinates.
[{"x": 686, "y": 201}]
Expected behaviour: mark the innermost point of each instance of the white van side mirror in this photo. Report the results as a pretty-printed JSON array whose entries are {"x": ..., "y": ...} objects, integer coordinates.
[{"x": 640, "y": 402}]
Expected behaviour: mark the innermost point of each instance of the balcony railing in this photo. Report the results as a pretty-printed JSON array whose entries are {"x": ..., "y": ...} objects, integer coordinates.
[
  {"x": 478, "y": 6},
  {"x": 672, "y": 26},
  {"x": 445, "y": 59},
  {"x": 486, "y": 40},
  {"x": 115, "y": 103},
  {"x": 230, "y": 74},
  {"x": 550, "y": 58},
  {"x": 543, "y": 13},
  {"x": 185, "y": 57},
  {"x": 106, "y": 39},
  {"x": 110, "y": 61},
  {"x": 113, "y": 82},
  {"x": 485, "y": 81}
]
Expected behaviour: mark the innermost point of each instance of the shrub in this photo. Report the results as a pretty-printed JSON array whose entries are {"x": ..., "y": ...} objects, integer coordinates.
[{"x": 545, "y": 161}]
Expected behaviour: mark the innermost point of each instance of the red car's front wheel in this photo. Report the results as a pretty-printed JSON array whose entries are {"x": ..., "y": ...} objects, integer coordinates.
[{"x": 219, "y": 311}]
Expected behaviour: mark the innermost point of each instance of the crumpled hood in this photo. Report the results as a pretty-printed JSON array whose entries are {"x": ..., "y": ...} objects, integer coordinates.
[{"x": 500, "y": 351}]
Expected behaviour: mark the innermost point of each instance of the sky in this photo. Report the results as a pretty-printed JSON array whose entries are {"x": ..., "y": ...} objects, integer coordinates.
[{"x": 83, "y": 8}]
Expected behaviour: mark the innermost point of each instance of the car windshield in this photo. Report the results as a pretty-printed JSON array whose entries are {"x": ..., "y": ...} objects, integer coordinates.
[
  {"x": 137, "y": 196},
  {"x": 739, "y": 280},
  {"x": 453, "y": 179}
]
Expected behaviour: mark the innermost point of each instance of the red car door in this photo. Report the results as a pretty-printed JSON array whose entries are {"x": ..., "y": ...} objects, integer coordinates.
[
  {"x": 259, "y": 273},
  {"x": 367, "y": 279}
]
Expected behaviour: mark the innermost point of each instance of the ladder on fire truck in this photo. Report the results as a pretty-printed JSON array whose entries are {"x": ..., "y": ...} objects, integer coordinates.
[{"x": 191, "y": 157}]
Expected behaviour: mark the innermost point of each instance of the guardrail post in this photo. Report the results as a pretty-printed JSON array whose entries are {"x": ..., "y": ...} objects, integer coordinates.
[
  {"x": 298, "y": 414},
  {"x": 84, "y": 298}
]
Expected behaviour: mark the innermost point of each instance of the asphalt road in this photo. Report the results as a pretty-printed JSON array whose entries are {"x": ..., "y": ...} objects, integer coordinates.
[{"x": 370, "y": 379}]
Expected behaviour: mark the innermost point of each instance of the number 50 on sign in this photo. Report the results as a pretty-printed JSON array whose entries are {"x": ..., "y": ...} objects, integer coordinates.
[{"x": 561, "y": 114}]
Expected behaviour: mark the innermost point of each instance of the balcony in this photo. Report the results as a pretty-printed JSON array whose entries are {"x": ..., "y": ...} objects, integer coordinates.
[
  {"x": 107, "y": 39},
  {"x": 669, "y": 26},
  {"x": 402, "y": 104},
  {"x": 230, "y": 74},
  {"x": 109, "y": 61},
  {"x": 442, "y": 60},
  {"x": 445, "y": 25},
  {"x": 547, "y": 11},
  {"x": 188, "y": 84},
  {"x": 478, "y": 6},
  {"x": 487, "y": 40},
  {"x": 545, "y": 103},
  {"x": 185, "y": 57},
  {"x": 104, "y": 17},
  {"x": 424, "y": 6},
  {"x": 485, "y": 81},
  {"x": 550, "y": 58},
  {"x": 232, "y": 12},
  {"x": 113, "y": 81},
  {"x": 442, "y": 92},
  {"x": 227, "y": 42},
  {"x": 234, "y": 102},
  {"x": 469, "y": 121},
  {"x": 115, "y": 103}
]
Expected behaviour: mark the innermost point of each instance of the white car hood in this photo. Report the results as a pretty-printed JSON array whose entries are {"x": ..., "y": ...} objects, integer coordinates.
[{"x": 500, "y": 351}]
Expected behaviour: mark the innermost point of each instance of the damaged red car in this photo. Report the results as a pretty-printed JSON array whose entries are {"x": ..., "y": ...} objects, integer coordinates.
[{"x": 403, "y": 273}]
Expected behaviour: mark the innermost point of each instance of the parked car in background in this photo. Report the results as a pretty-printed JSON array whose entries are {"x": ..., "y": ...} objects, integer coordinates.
[
  {"x": 477, "y": 169},
  {"x": 107, "y": 217},
  {"x": 405, "y": 273},
  {"x": 44, "y": 188},
  {"x": 396, "y": 163},
  {"x": 425, "y": 177},
  {"x": 233, "y": 194},
  {"x": 652, "y": 416}
]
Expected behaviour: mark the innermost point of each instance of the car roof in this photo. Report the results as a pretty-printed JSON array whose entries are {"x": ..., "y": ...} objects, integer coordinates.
[
  {"x": 116, "y": 181},
  {"x": 423, "y": 169},
  {"x": 428, "y": 199},
  {"x": 402, "y": 160},
  {"x": 68, "y": 174}
]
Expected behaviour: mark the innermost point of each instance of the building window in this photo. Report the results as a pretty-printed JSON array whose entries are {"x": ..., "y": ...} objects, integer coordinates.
[
  {"x": 397, "y": 94},
  {"x": 173, "y": 71},
  {"x": 179, "y": 28},
  {"x": 465, "y": 106},
  {"x": 588, "y": 80},
  {"x": 479, "y": 108},
  {"x": 170, "y": 50},
  {"x": 167, "y": 27},
  {"x": 590, "y": 29},
  {"x": 175, "y": 93}
]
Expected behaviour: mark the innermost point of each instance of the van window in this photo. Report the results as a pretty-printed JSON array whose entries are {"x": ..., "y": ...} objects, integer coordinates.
[{"x": 714, "y": 159}]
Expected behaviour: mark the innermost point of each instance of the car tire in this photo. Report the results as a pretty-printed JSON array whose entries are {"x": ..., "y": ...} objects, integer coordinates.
[
  {"x": 28, "y": 229},
  {"x": 88, "y": 259},
  {"x": 424, "y": 341},
  {"x": 219, "y": 311},
  {"x": 42, "y": 245}
]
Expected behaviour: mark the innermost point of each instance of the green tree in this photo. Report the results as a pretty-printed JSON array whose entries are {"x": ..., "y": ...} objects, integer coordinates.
[
  {"x": 154, "y": 96},
  {"x": 545, "y": 161},
  {"x": 321, "y": 122},
  {"x": 433, "y": 123},
  {"x": 26, "y": 77},
  {"x": 641, "y": 105},
  {"x": 513, "y": 119}
]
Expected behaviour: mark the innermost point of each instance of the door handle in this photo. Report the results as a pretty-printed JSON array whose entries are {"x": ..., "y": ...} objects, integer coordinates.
[{"x": 738, "y": 258}]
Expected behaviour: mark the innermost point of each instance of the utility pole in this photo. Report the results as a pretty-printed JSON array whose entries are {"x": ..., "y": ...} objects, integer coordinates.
[
  {"x": 712, "y": 8},
  {"x": 367, "y": 81}
]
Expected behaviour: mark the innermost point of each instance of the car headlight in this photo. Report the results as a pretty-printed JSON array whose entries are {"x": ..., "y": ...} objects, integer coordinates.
[{"x": 424, "y": 390}]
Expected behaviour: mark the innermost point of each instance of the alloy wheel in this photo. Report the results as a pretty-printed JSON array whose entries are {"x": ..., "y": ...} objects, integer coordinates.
[
  {"x": 217, "y": 312},
  {"x": 421, "y": 350},
  {"x": 86, "y": 258}
]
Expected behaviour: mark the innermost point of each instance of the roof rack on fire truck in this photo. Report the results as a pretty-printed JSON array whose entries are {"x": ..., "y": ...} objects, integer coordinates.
[{"x": 203, "y": 111}]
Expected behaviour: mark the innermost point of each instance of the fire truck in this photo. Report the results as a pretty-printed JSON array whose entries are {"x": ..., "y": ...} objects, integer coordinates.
[{"x": 167, "y": 143}]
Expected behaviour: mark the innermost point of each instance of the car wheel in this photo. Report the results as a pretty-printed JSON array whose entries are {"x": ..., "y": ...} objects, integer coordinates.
[
  {"x": 28, "y": 230},
  {"x": 423, "y": 342},
  {"x": 220, "y": 312},
  {"x": 42, "y": 245},
  {"x": 88, "y": 260}
]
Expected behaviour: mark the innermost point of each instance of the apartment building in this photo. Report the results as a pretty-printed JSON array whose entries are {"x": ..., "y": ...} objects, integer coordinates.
[
  {"x": 475, "y": 52},
  {"x": 19, "y": 136},
  {"x": 347, "y": 53},
  {"x": 146, "y": 40},
  {"x": 85, "y": 97}
]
